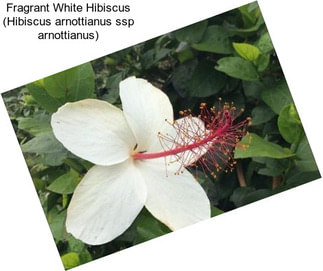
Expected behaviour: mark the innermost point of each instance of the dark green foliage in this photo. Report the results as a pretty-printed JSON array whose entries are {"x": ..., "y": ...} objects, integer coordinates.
[
  {"x": 229, "y": 56},
  {"x": 215, "y": 40},
  {"x": 237, "y": 67},
  {"x": 71, "y": 85},
  {"x": 253, "y": 145}
]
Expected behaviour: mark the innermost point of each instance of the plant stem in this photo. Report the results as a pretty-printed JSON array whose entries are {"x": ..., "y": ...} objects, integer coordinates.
[
  {"x": 276, "y": 181},
  {"x": 240, "y": 175}
]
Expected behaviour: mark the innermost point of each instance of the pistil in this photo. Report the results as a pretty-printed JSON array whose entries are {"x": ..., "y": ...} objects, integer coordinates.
[
  {"x": 206, "y": 141},
  {"x": 211, "y": 138}
]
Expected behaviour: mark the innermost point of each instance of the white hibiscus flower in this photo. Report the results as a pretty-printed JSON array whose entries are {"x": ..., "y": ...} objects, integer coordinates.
[{"x": 113, "y": 192}]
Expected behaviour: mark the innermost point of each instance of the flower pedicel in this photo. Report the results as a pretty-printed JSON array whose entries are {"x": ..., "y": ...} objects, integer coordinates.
[{"x": 129, "y": 149}]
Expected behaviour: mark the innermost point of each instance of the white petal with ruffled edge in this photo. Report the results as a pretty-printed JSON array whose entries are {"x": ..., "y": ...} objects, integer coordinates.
[
  {"x": 146, "y": 108},
  {"x": 175, "y": 200},
  {"x": 94, "y": 130},
  {"x": 105, "y": 203}
]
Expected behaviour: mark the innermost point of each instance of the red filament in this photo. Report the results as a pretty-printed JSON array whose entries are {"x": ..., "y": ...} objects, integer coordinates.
[{"x": 206, "y": 141}]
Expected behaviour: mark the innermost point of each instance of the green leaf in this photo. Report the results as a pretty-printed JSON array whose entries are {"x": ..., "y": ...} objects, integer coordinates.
[
  {"x": 273, "y": 167},
  {"x": 234, "y": 30},
  {"x": 264, "y": 43},
  {"x": 253, "y": 145},
  {"x": 64, "y": 201},
  {"x": 304, "y": 151},
  {"x": 261, "y": 114},
  {"x": 73, "y": 84},
  {"x": 79, "y": 247},
  {"x": 306, "y": 160},
  {"x": 215, "y": 40},
  {"x": 30, "y": 100},
  {"x": 277, "y": 96},
  {"x": 239, "y": 194},
  {"x": 182, "y": 75},
  {"x": 215, "y": 211},
  {"x": 270, "y": 128},
  {"x": 39, "y": 184},
  {"x": 262, "y": 62},
  {"x": 245, "y": 195},
  {"x": 247, "y": 51},
  {"x": 46, "y": 101},
  {"x": 56, "y": 221},
  {"x": 149, "y": 227},
  {"x": 205, "y": 81},
  {"x": 252, "y": 89},
  {"x": 152, "y": 56},
  {"x": 251, "y": 169},
  {"x": 224, "y": 185},
  {"x": 112, "y": 84},
  {"x": 43, "y": 143},
  {"x": 51, "y": 200},
  {"x": 238, "y": 68},
  {"x": 70, "y": 260},
  {"x": 162, "y": 53},
  {"x": 65, "y": 184},
  {"x": 85, "y": 256},
  {"x": 250, "y": 13},
  {"x": 290, "y": 125},
  {"x": 75, "y": 244},
  {"x": 257, "y": 195},
  {"x": 110, "y": 61},
  {"x": 192, "y": 33},
  {"x": 35, "y": 125},
  {"x": 306, "y": 166},
  {"x": 86, "y": 164},
  {"x": 52, "y": 159},
  {"x": 302, "y": 177},
  {"x": 254, "y": 7},
  {"x": 185, "y": 55},
  {"x": 75, "y": 164},
  {"x": 51, "y": 151}
]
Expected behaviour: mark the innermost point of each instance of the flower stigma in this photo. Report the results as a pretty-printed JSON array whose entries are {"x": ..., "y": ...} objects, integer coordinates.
[{"x": 206, "y": 141}]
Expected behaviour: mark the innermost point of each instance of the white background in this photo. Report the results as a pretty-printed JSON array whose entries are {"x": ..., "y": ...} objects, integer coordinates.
[{"x": 283, "y": 232}]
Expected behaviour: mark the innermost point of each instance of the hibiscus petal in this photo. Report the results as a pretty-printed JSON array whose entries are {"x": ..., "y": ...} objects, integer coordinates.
[
  {"x": 105, "y": 203},
  {"x": 94, "y": 130},
  {"x": 146, "y": 108},
  {"x": 175, "y": 200}
]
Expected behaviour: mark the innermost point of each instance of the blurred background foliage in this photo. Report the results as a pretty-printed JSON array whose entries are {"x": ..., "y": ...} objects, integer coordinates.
[{"x": 230, "y": 56}]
